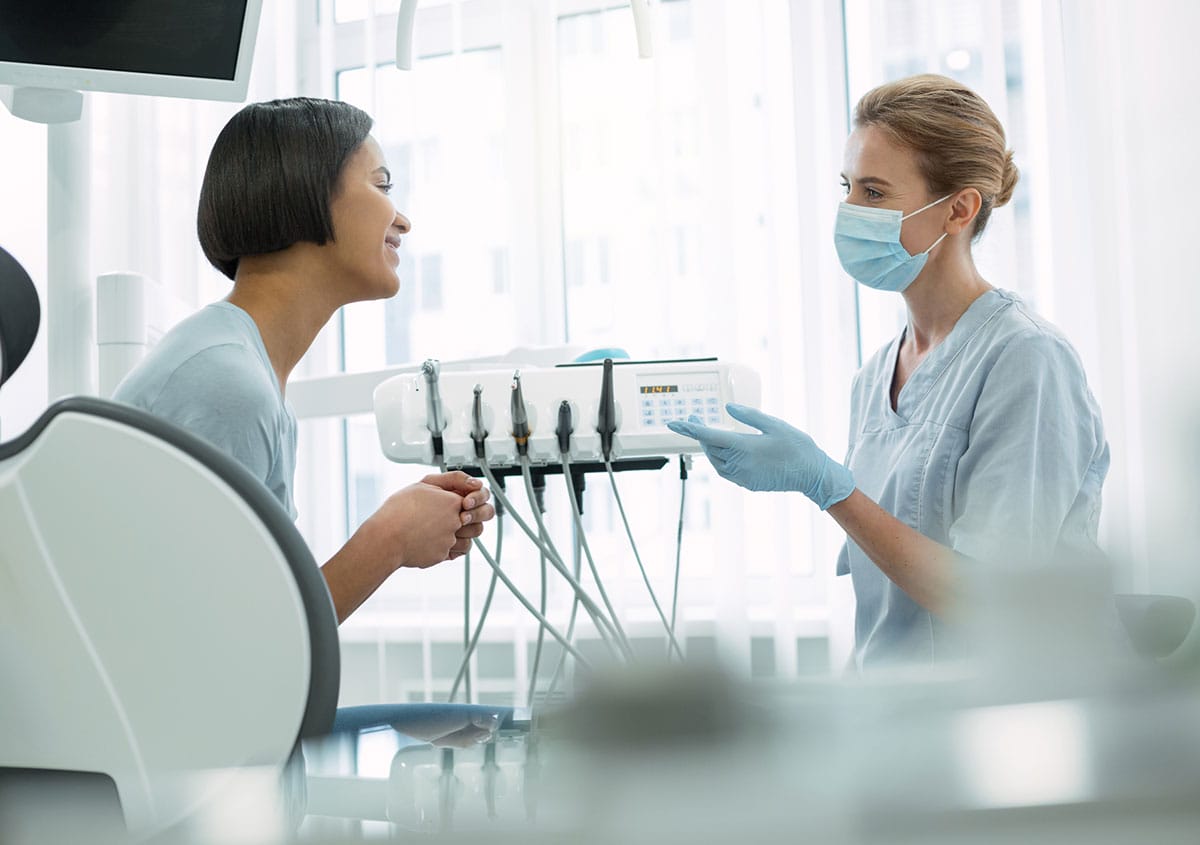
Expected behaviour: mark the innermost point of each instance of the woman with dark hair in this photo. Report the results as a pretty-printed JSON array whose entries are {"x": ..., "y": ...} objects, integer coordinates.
[
  {"x": 974, "y": 439},
  {"x": 294, "y": 209}
]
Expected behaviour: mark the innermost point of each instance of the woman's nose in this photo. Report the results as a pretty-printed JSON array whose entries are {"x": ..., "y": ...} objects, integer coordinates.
[{"x": 402, "y": 223}]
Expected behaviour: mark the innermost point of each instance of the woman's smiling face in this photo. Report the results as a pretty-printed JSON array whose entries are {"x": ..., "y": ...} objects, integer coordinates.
[{"x": 366, "y": 226}]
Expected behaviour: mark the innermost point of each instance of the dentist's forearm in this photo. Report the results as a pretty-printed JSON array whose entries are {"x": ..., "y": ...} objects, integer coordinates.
[{"x": 923, "y": 568}]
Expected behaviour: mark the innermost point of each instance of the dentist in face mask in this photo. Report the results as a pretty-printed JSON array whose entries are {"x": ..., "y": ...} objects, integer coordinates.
[{"x": 974, "y": 439}]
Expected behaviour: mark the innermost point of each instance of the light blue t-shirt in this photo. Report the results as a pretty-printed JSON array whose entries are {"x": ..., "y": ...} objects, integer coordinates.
[
  {"x": 995, "y": 449},
  {"x": 210, "y": 374}
]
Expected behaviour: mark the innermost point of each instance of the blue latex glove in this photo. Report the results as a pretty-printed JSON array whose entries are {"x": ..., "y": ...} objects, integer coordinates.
[{"x": 781, "y": 458}]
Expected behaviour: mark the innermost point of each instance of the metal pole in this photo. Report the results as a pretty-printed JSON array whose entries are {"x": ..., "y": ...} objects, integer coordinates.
[{"x": 70, "y": 301}]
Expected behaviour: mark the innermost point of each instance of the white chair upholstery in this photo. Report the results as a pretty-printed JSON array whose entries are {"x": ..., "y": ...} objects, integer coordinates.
[
  {"x": 162, "y": 623},
  {"x": 163, "y": 618}
]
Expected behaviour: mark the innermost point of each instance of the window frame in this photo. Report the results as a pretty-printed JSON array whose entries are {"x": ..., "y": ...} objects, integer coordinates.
[{"x": 801, "y": 601}]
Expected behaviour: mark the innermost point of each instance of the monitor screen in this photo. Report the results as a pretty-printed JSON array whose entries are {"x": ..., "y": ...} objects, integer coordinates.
[{"x": 109, "y": 45}]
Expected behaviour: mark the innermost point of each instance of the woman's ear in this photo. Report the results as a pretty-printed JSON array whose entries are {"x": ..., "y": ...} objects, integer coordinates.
[{"x": 964, "y": 208}]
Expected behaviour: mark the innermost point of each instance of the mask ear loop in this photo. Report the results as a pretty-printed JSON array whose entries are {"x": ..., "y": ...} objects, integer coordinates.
[
  {"x": 935, "y": 243},
  {"x": 922, "y": 208},
  {"x": 918, "y": 211}
]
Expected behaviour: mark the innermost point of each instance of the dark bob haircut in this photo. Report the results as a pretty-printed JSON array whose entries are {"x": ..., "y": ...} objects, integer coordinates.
[{"x": 272, "y": 175}]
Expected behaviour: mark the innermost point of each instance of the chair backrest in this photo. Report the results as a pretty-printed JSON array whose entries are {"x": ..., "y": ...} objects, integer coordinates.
[
  {"x": 20, "y": 314},
  {"x": 160, "y": 615},
  {"x": 161, "y": 612}
]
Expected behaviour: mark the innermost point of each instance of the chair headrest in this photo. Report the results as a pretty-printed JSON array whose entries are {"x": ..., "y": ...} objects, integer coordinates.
[{"x": 20, "y": 314}]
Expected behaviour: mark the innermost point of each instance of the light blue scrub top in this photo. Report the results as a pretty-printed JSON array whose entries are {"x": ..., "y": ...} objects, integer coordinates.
[
  {"x": 211, "y": 375},
  {"x": 995, "y": 449}
]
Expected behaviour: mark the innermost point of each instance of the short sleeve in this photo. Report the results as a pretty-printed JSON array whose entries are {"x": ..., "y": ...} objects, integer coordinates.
[
  {"x": 220, "y": 395},
  {"x": 1034, "y": 445},
  {"x": 856, "y": 401}
]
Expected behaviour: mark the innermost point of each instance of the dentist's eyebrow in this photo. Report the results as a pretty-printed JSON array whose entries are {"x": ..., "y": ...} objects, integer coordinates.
[{"x": 869, "y": 180}]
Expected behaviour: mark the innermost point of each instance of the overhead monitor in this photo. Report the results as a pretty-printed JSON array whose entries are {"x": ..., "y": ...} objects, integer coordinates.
[{"x": 200, "y": 49}]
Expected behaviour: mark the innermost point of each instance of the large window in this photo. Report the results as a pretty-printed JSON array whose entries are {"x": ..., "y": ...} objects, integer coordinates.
[
  {"x": 442, "y": 129},
  {"x": 564, "y": 192},
  {"x": 638, "y": 184}
]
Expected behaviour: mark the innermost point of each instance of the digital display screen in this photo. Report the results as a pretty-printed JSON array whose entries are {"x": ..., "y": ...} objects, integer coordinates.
[
  {"x": 193, "y": 38},
  {"x": 659, "y": 388}
]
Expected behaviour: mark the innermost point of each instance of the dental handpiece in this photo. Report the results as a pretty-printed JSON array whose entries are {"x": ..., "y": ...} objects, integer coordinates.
[
  {"x": 565, "y": 429},
  {"x": 478, "y": 432},
  {"x": 435, "y": 420},
  {"x": 607, "y": 424},
  {"x": 520, "y": 419}
]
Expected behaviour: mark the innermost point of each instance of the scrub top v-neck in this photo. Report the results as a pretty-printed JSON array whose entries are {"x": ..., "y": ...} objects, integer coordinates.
[{"x": 995, "y": 448}]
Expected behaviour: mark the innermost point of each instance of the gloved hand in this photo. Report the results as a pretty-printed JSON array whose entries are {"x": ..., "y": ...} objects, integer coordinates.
[{"x": 781, "y": 458}]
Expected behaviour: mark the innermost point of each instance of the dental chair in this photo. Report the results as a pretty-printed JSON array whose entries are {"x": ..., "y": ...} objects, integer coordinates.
[
  {"x": 160, "y": 616},
  {"x": 163, "y": 627},
  {"x": 166, "y": 638}
]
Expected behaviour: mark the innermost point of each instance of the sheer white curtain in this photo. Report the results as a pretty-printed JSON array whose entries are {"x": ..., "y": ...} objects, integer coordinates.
[
  {"x": 1121, "y": 80},
  {"x": 815, "y": 333}
]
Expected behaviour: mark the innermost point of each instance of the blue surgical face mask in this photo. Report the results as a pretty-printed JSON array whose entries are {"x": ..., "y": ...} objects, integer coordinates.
[{"x": 868, "y": 245}]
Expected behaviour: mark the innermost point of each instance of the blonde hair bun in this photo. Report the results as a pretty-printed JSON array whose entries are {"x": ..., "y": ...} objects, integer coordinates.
[{"x": 958, "y": 140}]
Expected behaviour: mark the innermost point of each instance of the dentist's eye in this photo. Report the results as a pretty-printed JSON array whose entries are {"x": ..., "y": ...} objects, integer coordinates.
[
  {"x": 845, "y": 187},
  {"x": 873, "y": 194}
]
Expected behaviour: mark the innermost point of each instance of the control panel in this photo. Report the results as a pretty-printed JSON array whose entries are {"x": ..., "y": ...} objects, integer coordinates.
[{"x": 679, "y": 396}]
